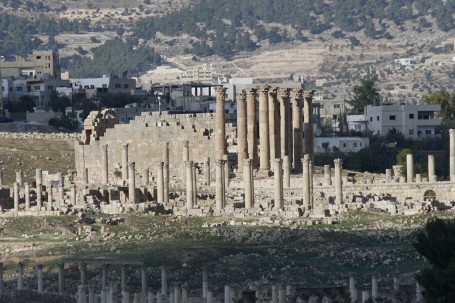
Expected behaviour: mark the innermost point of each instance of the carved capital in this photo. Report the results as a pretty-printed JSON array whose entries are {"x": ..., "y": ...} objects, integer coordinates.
[
  {"x": 220, "y": 162},
  {"x": 338, "y": 162},
  {"x": 263, "y": 89},
  {"x": 241, "y": 96},
  {"x": 189, "y": 163},
  {"x": 104, "y": 147},
  {"x": 186, "y": 143},
  {"x": 131, "y": 165},
  {"x": 452, "y": 132},
  {"x": 306, "y": 160},
  {"x": 251, "y": 91},
  {"x": 160, "y": 164},
  {"x": 273, "y": 91},
  {"x": 308, "y": 94},
  {"x": 166, "y": 144},
  {"x": 221, "y": 92},
  {"x": 298, "y": 93},
  {"x": 284, "y": 92},
  {"x": 125, "y": 145}
]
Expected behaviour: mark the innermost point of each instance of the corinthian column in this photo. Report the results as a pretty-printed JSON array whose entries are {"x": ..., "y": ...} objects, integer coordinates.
[
  {"x": 189, "y": 185},
  {"x": 16, "y": 196},
  {"x": 242, "y": 148},
  {"x": 284, "y": 115},
  {"x": 274, "y": 126},
  {"x": 297, "y": 129},
  {"x": 220, "y": 190},
  {"x": 160, "y": 183},
  {"x": 306, "y": 181},
  {"x": 248, "y": 182},
  {"x": 252, "y": 127},
  {"x": 338, "y": 181},
  {"x": 220, "y": 122},
  {"x": 278, "y": 183},
  {"x": 125, "y": 162},
  {"x": 452, "y": 154},
  {"x": 264, "y": 158},
  {"x": 131, "y": 183},
  {"x": 104, "y": 165},
  {"x": 308, "y": 133}
]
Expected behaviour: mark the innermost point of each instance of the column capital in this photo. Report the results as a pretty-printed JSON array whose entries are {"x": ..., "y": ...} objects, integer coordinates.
[
  {"x": 160, "y": 164},
  {"x": 186, "y": 143},
  {"x": 263, "y": 89},
  {"x": 247, "y": 162},
  {"x": 166, "y": 144},
  {"x": 273, "y": 91},
  {"x": 251, "y": 91},
  {"x": 308, "y": 93},
  {"x": 221, "y": 92},
  {"x": 452, "y": 132},
  {"x": 279, "y": 161},
  {"x": 132, "y": 164},
  {"x": 298, "y": 93},
  {"x": 284, "y": 92},
  {"x": 104, "y": 147},
  {"x": 220, "y": 162},
  {"x": 338, "y": 162},
  {"x": 242, "y": 96},
  {"x": 125, "y": 145},
  {"x": 166, "y": 164},
  {"x": 306, "y": 160},
  {"x": 189, "y": 163}
]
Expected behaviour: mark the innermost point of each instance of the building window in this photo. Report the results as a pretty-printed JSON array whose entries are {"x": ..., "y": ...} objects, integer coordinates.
[
  {"x": 336, "y": 106},
  {"x": 344, "y": 145},
  {"x": 334, "y": 117},
  {"x": 104, "y": 86},
  {"x": 392, "y": 117},
  {"x": 411, "y": 116},
  {"x": 377, "y": 118},
  {"x": 321, "y": 106},
  {"x": 50, "y": 87},
  {"x": 118, "y": 85},
  {"x": 125, "y": 85},
  {"x": 371, "y": 119},
  {"x": 36, "y": 87},
  {"x": 427, "y": 132},
  {"x": 411, "y": 132},
  {"x": 19, "y": 88},
  {"x": 355, "y": 144}
]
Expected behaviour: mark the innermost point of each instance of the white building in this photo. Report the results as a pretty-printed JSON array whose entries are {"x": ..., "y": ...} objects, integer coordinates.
[
  {"x": 344, "y": 144},
  {"x": 413, "y": 121},
  {"x": 404, "y": 61},
  {"x": 106, "y": 84}
]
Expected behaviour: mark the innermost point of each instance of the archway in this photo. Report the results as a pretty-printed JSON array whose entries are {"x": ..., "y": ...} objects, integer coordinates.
[{"x": 429, "y": 195}]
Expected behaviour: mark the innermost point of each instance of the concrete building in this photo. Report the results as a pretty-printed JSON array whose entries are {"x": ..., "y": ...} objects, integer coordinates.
[
  {"x": 344, "y": 144},
  {"x": 42, "y": 64},
  {"x": 202, "y": 73},
  {"x": 413, "y": 121},
  {"x": 105, "y": 84}
]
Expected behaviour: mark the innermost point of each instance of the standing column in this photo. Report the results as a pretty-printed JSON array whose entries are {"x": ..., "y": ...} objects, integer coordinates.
[
  {"x": 227, "y": 294},
  {"x": 220, "y": 189},
  {"x": 160, "y": 183},
  {"x": 327, "y": 176},
  {"x": 194, "y": 182},
  {"x": 123, "y": 278},
  {"x": 20, "y": 275},
  {"x": 145, "y": 177},
  {"x": 131, "y": 183},
  {"x": 452, "y": 154},
  {"x": 104, "y": 165},
  {"x": 297, "y": 131},
  {"x": 251, "y": 125},
  {"x": 278, "y": 183},
  {"x": 274, "y": 126},
  {"x": 83, "y": 269},
  {"x": 248, "y": 182},
  {"x": 374, "y": 287},
  {"x": 73, "y": 195},
  {"x": 388, "y": 175},
  {"x": 125, "y": 162},
  {"x": 61, "y": 278},
  {"x": 39, "y": 176},
  {"x": 16, "y": 196},
  {"x": 205, "y": 283},
  {"x": 186, "y": 157},
  {"x": 308, "y": 133},
  {"x": 284, "y": 131},
  {"x": 287, "y": 171},
  {"x": 306, "y": 181},
  {"x": 1, "y": 177},
  {"x": 264, "y": 145},
  {"x": 163, "y": 280},
  {"x": 166, "y": 172},
  {"x": 226, "y": 171},
  {"x": 189, "y": 184},
  {"x": 104, "y": 279},
  {"x": 50, "y": 196},
  {"x": 27, "y": 196},
  {"x": 207, "y": 170},
  {"x": 39, "y": 196},
  {"x": 144, "y": 279},
  {"x": 242, "y": 147},
  {"x": 431, "y": 170},
  {"x": 85, "y": 176},
  {"x": 220, "y": 135},
  {"x": 338, "y": 181},
  {"x": 20, "y": 177},
  {"x": 409, "y": 168},
  {"x": 39, "y": 275}
]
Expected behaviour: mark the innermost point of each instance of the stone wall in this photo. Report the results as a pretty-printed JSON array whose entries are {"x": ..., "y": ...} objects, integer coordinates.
[{"x": 146, "y": 136}]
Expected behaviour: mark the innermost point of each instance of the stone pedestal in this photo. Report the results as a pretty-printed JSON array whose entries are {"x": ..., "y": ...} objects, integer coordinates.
[
  {"x": 409, "y": 168},
  {"x": 125, "y": 162},
  {"x": 242, "y": 145},
  {"x": 252, "y": 136},
  {"x": 104, "y": 165},
  {"x": 248, "y": 182},
  {"x": 278, "y": 183},
  {"x": 131, "y": 183},
  {"x": 264, "y": 145},
  {"x": 338, "y": 181},
  {"x": 220, "y": 122}
]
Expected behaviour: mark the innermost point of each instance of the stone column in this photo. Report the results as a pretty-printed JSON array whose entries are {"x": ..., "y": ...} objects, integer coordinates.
[
  {"x": 227, "y": 294},
  {"x": 352, "y": 289},
  {"x": 144, "y": 279},
  {"x": 83, "y": 269},
  {"x": 186, "y": 157},
  {"x": 409, "y": 168},
  {"x": 274, "y": 294},
  {"x": 124, "y": 278},
  {"x": 287, "y": 171},
  {"x": 50, "y": 196},
  {"x": 419, "y": 296},
  {"x": 91, "y": 295},
  {"x": 452, "y": 154},
  {"x": 251, "y": 125},
  {"x": 20, "y": 276},
  {"x": 104, "y": 165},
  {"x": 163, "y": 280},
  {"x": 374, "y": 287},
  {"x": 61, "y": 278},
  {"x": 16, "y": 196},
  {"x": 39, "y": 275},
  {"x": 20, "y": 177},
  {"x": 1, "y": 280},
  {"x": 194, "y": 171},
  {"x": 209, "y": 296},
  {"x": 278, "y": 183},
  {"x": 61, "y": 192},
  {"x": 242, "y": 147},
  {"x": 160, "y": 183},
  {"x": 205, "y": 283},
  {"x": 27, "y": 196},
  {"x": 306, "y": 181},
  {"x": 131, "y": 183},
  {"x": 1, "y": 177},
  {"x": 184, "y": 294},
  {"x": 274, "y": 126},
  {"x": 418, "y": 178},
  {"x": 159, "y": 297},
  {"x": 297, "y": 130},
  {"x": 189, "y": 185},
  {"x": 82, "y": 294},
  {"x": 39, "y": 196},
  {"x": 310, "y": 172},
  {"x": 281, "y": 294},
  {"x": 145, "y": 177},
  {"x": 248, "y": 182},
  {"x": 207, "y": 171},
  {"x": 264, "y": 145},
  {"x": 166, "y": 172},
  {"x": 327, "y": 175},
  {"x": 85, "y": 176},
  {"x": 308, "y": 133},
  {"x": 73, "y": 195},
  {"x": 220, "y": 135},
  {"x": 220, "y": 189},
  {"x": 284, "y": 130},
  {"x": 104, "y": 278},
  {"x": 388, "y": 175},
  {"x": 338, "y": 181},
  {"x": 431, "y": 170},
  {"x": 365, "y": 296},
  {"x": 39, "y": 176},
  {"x": 125, "y": 296},
  {"x": 125, "y": 162}
]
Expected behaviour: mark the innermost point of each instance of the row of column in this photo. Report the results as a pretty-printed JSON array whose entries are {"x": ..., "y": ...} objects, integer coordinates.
[{"x": 39, "y": 196}]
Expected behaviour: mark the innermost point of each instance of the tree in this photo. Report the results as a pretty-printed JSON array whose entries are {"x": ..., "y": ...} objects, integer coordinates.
[
  {"x": 447, "y": 102},
  {"x": 364, "y": 94},
  {"x": 58, "y": 103},
  {"x": 437, "y": 245}
]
